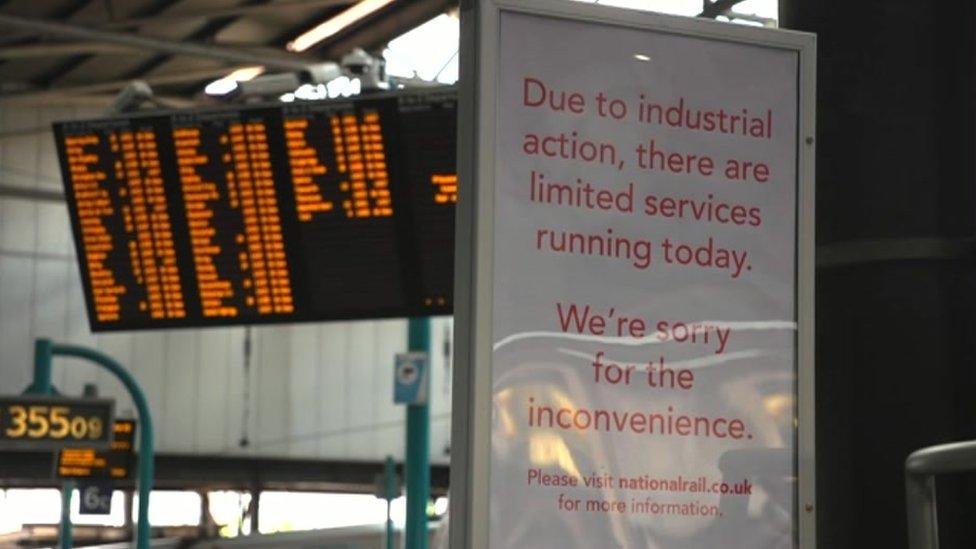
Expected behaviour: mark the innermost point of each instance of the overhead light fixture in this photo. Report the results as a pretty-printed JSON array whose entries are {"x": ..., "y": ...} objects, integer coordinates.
[
  {"x": 642, "y": 57},
  {"x": 335, "y": 24},
  {"x": 227, "y": 84}
]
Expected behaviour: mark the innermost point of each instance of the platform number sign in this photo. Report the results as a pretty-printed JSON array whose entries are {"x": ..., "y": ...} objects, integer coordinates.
[
  {"x": 33, "y": 422},
  {"x": 96, "y": 498}
]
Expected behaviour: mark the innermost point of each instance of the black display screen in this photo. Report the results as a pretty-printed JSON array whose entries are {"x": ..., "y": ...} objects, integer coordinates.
[
  {"x": 113, "y": 463},
  {"x": 292, "y": 212}
]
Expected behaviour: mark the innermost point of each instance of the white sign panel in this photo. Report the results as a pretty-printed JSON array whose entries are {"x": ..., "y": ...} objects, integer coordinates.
[{"x": 645, "y": 190}]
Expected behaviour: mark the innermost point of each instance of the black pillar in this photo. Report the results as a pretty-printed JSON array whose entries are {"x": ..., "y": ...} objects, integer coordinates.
[{"x": 896, "y": 290}]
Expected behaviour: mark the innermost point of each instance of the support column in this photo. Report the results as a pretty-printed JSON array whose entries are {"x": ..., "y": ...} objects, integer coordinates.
[
  {"x": 895, "y": 321},
  {"x": 418, "y": 447}
]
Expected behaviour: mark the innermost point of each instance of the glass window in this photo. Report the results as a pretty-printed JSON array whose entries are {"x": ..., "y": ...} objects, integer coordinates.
[
  {"x": 228, "y": 510},
  {"x": 171, "y": 508},
  {"x": 294, "y": 511},
  {"x": 756, "y": 11},
  {"x": 428, "y": 52},
  {"x": 30, "y": 506}
]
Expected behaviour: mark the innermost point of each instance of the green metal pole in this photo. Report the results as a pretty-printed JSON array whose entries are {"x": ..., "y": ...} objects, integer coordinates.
[
  {"x": 145, "y": 423},
  {"x": 67, "y": 534},
  {"x": 390, "y": 489},
  {"x": 42, "y": 385},
  {"x": 42, "y": 368},
  {"x": 418, "y": 447}
]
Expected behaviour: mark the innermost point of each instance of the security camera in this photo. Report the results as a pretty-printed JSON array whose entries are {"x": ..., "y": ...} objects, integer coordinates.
[
  {"x": 131, "y": 97},
  {"x": 371, "y": 71},
  {"x": 321, "y": 73},
  {"x": 267, "y": 85},
  {"x": 357, "y": 62}
]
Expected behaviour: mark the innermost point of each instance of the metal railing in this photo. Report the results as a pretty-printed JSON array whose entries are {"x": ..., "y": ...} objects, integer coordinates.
[{"x": 920, "y": 470}]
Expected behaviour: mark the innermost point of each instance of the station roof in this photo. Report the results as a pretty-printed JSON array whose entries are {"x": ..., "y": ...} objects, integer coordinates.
[{"x": 89, "y": 52}]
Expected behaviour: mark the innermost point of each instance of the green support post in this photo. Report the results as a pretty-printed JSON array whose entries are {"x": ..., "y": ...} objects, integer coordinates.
[
  {"x": 390, "y": 493},
  {"x": 418, "y": 446},
  {"x": 42, "y": 369},
  {"x": 66, "y": 531},
  {"x": 44, "y": 351},
  {"x": 42, "y": 385}
]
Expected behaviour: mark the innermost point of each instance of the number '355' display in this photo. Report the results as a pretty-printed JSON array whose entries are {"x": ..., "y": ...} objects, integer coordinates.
[{"x": 43, "y": 422}]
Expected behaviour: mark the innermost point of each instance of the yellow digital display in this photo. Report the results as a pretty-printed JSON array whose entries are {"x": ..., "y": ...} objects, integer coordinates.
[
  {"x": 43, "y": 422},
  {"x": 294, "y": 212},
  {"x": 236, "y": 180},
  {"x": 447, "y": 187},
  {"x": 131, "y": 159},
  {"x": 113, "y": 463}
]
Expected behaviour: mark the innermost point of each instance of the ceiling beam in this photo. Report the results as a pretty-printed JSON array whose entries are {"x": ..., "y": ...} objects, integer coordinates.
[
  {"x": 227, "y": 472},
  {"x": 58, "y": 49},
  {"x": 101, "y": 100},
  {"x": 14, "y": 191},
  {"x": 281, "y": 61},
  {"x": 718, "y": 7},
  {"x": 765, "y": 21},
  {"x": 204, "y": 33},
  {"x": 230, "y": 11},
  {"x": 65, "y": 68},
  {"x": 115, "y": 85}
]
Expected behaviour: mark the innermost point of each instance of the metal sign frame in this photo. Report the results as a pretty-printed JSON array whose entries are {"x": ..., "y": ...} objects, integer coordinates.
[{"x": 474, "y": 256}]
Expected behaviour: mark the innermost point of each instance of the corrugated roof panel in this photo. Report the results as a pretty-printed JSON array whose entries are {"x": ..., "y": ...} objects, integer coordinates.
[
  {"x": 100, "y": 68},
  {"x": 89, "y": 65}
]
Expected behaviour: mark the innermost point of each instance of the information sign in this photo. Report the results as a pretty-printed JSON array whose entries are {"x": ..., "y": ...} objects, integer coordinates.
[
  {"x": 32, "y": 422},
  {"x": 114, "y": 463},
  {"x": 293, "y": 212},
  {"x": 96, "y": 498},
  {"x": 634, "y": 302},
  {"x": 410, "y": 378}
]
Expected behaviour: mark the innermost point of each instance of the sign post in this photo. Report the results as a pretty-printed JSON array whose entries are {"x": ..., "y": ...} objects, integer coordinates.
[
  {"x": 414, "y": 384},
  {"x": 65, "y": 533},
  {"x": 634, "y": 293},
  {"x": 44, "y": 351},
  {"x": 388, "y": 488}
]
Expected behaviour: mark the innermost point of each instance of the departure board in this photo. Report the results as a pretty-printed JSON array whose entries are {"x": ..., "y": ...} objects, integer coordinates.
[
  {"x": 291, "y": 212},
  {"x": 91, "y": 463}
]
